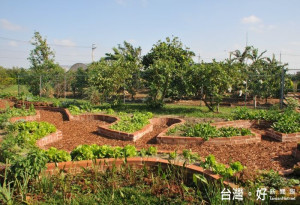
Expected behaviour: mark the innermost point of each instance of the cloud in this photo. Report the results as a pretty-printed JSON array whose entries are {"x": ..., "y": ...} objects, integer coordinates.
[
  {"x": 262, "y": 28},
  {"x": 251, "y": 20},
  {"x": 64, "y": 42},
  {"x": 256, "y": 24},
  {"x": 13, "y": 43},
  {"x": 7, "y": 25}
]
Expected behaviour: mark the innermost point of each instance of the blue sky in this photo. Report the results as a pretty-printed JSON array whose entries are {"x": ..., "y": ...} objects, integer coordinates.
[{"x": 209, "y": 28}]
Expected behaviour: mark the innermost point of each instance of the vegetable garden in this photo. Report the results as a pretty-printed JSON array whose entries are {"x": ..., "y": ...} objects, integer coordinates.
[
  {"x": 155, "y": 173},
  {"x": 98, "y": 147}
]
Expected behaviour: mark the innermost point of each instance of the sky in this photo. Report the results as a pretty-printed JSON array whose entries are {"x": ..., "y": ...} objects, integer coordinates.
[{"x": 211, "y": 29}]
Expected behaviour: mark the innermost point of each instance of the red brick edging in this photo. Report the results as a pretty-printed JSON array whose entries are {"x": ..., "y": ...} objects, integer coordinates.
[
  {"x": 104, "y": 129},
  {"x": 35, "y": 117},
  {"x": 137, "y": 162},
  {"x": 53, "y": 137},
  {"x": 283, "y": 137},
  {"x": 162, "y": 138}
]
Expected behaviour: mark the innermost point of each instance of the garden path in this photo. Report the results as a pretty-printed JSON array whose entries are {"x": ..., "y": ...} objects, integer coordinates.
[{"x": 266, "y": 155}]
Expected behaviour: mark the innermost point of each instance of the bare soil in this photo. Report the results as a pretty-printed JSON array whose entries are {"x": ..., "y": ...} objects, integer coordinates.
[{"x": 267, "y": 155}]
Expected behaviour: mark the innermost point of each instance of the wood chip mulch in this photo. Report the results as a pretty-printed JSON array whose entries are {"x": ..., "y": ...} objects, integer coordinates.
[{"x": 267, "y": 155}]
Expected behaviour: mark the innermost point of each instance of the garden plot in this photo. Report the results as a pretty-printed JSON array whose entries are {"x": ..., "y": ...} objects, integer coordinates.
[
  {"x": 273, "y": 155},
  {"x": 220, "y": 133}
]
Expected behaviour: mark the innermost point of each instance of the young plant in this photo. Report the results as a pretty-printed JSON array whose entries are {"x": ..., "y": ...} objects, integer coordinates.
[{"x": 55, "y": 155}]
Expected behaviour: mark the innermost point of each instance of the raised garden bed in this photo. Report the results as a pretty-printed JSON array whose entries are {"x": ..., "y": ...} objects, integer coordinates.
[
  {"x": 107, "y": 131},
  {"x": 53, "y": 137},
  {"x": 35, "y": 117},
  {"x": 163, "y": 138},
  {"x": 114, "y": 134},
  {"x": 283, "y": 137},
  {"x": 137, "y": 162}
]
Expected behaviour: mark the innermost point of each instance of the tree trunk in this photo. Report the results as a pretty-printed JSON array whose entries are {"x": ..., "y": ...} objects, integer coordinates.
[{"x": 254, "y": 99}]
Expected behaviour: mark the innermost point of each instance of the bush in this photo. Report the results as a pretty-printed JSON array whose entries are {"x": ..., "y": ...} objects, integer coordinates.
[{"x": 292, "y": 103}]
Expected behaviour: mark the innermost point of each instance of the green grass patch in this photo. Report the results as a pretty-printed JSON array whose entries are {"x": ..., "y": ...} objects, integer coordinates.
[{"x": 13, "y": 90}]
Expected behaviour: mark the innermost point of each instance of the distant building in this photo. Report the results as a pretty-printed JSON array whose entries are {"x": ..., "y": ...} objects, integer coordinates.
[{"x": 76, "y": 66}]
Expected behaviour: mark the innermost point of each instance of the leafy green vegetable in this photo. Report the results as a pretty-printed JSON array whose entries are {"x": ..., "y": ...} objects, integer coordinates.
[
  {"x": 206, "y": 131},
  {"x": 132, "y": 123},
  {"x": 151, "y": 151},
  {"x": 55, "y": 155}
]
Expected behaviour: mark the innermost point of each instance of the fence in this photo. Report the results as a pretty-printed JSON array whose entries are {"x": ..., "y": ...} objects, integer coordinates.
[{"x": 72, "y": 85}]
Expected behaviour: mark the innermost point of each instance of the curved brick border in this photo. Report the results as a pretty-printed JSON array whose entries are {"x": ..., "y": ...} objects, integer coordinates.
[
  {"x": 282, "y": 137},
  {"x": 53, "y": 137},
  {"x": 136, "y": 162},
  {"x": 162, "y": 138},
  {"x": 35, "y": 117},
  {"x": 105, "y": 130},
  {"x": 114, "y": 134}
]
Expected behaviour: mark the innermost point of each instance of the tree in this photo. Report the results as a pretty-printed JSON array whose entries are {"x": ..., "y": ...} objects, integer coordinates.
[
  {"x": 41, "y": 57},
  {"x": 212, "y": 81},
  {"x": 80, "y": 81},
  {"x": 107, "y": 77},
  {"x": 42, "y": 67},
  {"x": 5, "y": 79},
  {"x": 165, "y": 68},
  {"x": 129, "y": 59}
]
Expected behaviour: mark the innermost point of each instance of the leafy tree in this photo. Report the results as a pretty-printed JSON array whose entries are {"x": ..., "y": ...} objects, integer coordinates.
[
  {"x": 212, "y": 81},
  {"x": 80, "y": 81},
  {"x": 129, "y": 59},
  {"x": 42, "y": 64},
  {"x": 5, "y": 79},
  {"x": 166, "y": 66},
  {"x": 107, "y": 77}
]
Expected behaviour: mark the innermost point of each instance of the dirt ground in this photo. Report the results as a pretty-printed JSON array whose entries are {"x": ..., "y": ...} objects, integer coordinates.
[{"x": 267, "y": 155}]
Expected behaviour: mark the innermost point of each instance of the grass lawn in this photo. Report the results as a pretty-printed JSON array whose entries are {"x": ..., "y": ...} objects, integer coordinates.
[{"x": 13, "y": 90}]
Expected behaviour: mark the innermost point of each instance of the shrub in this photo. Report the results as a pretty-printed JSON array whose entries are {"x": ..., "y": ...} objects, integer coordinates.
[{"x": 292, "y": 103}]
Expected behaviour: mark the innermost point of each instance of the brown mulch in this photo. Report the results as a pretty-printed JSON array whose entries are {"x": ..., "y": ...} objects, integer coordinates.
[{"x": 268, "y": 154}]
